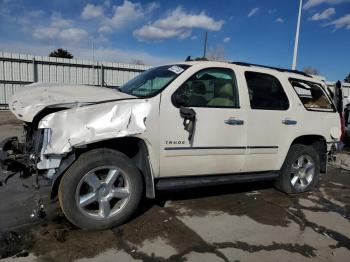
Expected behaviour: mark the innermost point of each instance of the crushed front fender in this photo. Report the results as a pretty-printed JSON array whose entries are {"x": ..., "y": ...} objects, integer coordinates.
[{"x": 83, "y": 125}]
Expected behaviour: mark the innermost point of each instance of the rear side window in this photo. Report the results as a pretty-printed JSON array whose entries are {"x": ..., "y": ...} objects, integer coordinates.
[
  {"x": 266, "y": 92},
  {"x": 312, "y": 95}
]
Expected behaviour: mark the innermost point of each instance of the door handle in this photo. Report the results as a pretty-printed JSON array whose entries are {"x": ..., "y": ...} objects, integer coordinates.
[
  {"x": 289, "y": 122},
  {"x": 234, "y": 122}
]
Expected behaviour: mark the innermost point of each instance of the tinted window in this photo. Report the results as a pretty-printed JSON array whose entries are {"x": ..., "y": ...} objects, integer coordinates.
[
  {"x": 266, "y": 92},
  {"x": 311, "y": 95},
  {"x": 214, "y": 87}
]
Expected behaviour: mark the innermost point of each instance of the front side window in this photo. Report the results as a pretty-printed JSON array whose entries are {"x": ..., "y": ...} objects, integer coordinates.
[
  {"x": 266, "y": 92},
  {"x": 212, "y": 87},
  {"x": 153, "y": 81},
  {"x": 312, "y": 95}
]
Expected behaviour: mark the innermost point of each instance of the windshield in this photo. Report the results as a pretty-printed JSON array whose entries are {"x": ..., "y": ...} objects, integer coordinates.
[{"x": 153, "y": 81}]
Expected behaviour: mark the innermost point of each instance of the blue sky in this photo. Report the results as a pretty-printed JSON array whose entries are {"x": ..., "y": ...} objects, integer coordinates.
[{"x": 162, "y": 31}]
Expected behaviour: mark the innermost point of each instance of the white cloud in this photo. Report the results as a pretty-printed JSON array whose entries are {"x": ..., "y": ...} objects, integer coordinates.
[
  {"x": 342, "y": 22},
  {"x": 60, "y": 29},
  {"x": 253, "y": 12},
  {"x": 279, "y": 20},
  {"x": 177, "y": 24},
  {"x": 105, "y": 29},
  {"x": 326, "y": 14},
  {"x": 58, "y": 21},
  {"x": 313, "y": 3},
  {"x": 152, "y": 6},
  {"x": 226, "y": 39},
  {"x": 126, "y": 13},
  {"x": 91, "y": 11},
  {"x": 112, "y": 17},
  {"x": 73, "y": 34},
  {"x": 45, "y": 33},
  {"x": 52, "y": 33}
]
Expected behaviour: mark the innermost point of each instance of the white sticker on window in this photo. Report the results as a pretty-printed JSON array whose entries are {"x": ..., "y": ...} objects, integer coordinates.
[{"x": 176, "y": 69}]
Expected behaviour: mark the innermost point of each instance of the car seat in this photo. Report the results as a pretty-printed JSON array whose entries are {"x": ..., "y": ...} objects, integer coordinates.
[{"x": 223, "y": 97}]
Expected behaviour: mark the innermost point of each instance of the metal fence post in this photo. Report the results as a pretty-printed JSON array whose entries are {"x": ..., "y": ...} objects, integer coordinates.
[
  {"x": 102, "y": 75},
  {"x": 35, "y": 71}
]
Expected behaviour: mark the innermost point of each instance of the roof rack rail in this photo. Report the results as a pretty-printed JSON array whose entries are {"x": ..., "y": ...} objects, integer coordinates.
[{"x": 271, "y": 67}]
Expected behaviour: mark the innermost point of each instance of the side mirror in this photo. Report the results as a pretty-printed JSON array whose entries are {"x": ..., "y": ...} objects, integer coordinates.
[{"x": 179, "y": 100}]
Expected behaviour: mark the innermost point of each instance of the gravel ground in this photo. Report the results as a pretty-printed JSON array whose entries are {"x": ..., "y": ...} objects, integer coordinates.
[{"x": 245, "y": 222}]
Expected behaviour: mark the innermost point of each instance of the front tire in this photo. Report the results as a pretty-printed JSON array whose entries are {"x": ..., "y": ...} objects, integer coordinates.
[
  {"x": 101, "y": 190},
  {"x": 300, "y": 171}
]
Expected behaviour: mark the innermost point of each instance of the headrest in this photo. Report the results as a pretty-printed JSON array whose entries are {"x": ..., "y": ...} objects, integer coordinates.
[
  {"x": 198, "y": 87},
  {"x": 225, "y": 91}
]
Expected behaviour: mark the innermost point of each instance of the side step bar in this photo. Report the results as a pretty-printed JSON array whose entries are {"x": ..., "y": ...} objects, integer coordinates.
[{"x": 212, "y": 180}]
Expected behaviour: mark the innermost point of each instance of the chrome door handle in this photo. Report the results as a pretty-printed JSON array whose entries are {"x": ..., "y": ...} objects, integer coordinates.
[
  {"x": 234, "y": 122},
  {"x": 289, "y": 122}
]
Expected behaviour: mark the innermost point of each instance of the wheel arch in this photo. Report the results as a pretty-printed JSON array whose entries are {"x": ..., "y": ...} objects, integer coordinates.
[
  {"x": 133, "y": 147},
  {"x": 318, "y": 142}
]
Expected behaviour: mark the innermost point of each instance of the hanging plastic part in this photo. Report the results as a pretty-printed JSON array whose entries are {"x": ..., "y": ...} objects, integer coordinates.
[
  {"x": 189, "y": 116},
  {"x": 39, "y": 208}
]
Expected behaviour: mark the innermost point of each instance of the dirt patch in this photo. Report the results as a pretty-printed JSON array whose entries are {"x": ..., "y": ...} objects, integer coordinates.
[
  {"x": 56, "y": 240},
  {"x": 60, "y": 241},
  {"x": 159, "y": 223},
  {"x": 11, "y": 243}
]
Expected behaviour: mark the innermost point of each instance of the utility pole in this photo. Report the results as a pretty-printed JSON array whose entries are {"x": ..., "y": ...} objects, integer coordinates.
[
  {"x": 296, "y": 43},
  {"x": 205, "y": 44}
]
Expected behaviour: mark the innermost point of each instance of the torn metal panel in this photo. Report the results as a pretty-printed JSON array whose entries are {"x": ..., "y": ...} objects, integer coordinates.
[
  {"x": 29, "y": 101},
  {"x": 84, "y": 125}
]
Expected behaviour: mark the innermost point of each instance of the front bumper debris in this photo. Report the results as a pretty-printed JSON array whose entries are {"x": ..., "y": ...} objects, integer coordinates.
[{"x": 13, "y": 157}]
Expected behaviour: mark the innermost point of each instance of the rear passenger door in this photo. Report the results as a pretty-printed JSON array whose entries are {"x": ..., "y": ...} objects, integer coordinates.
[
  {"x": 270, "y": 121},
  {"x": 219, "y": 139}
]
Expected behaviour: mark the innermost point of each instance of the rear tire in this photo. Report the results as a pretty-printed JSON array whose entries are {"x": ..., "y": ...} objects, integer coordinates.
[
  {"x": 101, "y": 190},
  {"x": 300, "y": 171}
]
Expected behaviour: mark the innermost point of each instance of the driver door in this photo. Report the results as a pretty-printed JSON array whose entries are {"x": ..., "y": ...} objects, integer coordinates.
[{"x": 218, "y": 144}]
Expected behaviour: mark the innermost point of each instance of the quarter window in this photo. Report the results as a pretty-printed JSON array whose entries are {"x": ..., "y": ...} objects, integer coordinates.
[
  {"x": 213, "y": 87},
  {"x": 265, "y": 92},
  {"x": 312, "y": 95}
]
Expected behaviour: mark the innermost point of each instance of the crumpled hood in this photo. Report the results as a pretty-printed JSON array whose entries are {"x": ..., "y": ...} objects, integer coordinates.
[{"x": 33, "y": 98}]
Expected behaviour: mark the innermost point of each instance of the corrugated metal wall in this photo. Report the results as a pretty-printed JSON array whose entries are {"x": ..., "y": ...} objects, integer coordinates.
[{"x": 17, "y": 70}]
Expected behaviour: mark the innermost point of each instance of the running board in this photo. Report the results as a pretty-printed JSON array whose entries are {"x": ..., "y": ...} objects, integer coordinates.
[{"x": 212, "y": 180}]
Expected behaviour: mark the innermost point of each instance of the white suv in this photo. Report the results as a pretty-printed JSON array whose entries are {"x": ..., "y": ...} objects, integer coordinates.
[{"x": 180, "y": 125}]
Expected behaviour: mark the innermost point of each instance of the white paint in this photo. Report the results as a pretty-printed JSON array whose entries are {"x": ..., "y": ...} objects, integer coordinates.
[
  {"x": 84, "y": 125},
  {"x": 28, "y": 102}
]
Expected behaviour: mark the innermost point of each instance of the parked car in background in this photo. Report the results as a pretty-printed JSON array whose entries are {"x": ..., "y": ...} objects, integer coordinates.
[{"x": 180, "y": 125}]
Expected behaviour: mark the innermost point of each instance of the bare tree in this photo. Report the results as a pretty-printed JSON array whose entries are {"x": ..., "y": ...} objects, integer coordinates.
[
  {"x": 200, "y": 59},
  {"x": 216, "y": 53},
  {"x": 137, "y": 62},
  {"x": 61, "y": 53},
  {"x": 311, "y": 70},
  {"x": 347, "y": 79}
]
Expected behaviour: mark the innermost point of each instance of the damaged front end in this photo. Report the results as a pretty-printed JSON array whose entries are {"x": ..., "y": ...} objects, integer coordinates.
[
  {"x": 21, "y": 154},
  {"x": 48, "y": 144}
]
